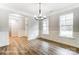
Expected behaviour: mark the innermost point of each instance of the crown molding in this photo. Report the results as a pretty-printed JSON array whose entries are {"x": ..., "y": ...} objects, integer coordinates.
[
  {"x": 63, "y": 10},
  {"x": 15, "y": 11}
]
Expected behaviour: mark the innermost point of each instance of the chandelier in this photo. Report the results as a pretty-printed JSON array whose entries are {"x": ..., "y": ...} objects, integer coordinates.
[{"x": 39, "y": 17}]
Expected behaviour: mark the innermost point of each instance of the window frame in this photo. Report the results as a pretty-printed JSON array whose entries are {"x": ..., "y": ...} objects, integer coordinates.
[
  {"x": 66, "y": 27},
  {"x": 45, "y": 26}
]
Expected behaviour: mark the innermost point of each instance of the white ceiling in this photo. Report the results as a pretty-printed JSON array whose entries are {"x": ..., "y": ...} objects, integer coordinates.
[{"x": 32, "y": 8}]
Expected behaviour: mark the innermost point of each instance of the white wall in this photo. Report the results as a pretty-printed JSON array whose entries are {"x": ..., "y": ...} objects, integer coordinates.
[
  {"x": 33, "y": 29},
  {"x": 4, "y": 40}
]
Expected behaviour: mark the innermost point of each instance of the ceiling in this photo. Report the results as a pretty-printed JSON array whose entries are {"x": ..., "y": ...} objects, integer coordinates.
[{"x": 32, "y": 8}]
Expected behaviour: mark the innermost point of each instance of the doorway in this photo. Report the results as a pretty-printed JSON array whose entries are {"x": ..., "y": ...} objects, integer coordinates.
[{"x": 16, "y": 25}]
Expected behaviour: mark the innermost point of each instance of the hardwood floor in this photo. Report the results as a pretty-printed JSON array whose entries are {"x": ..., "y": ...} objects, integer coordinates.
[{"x": 21, "y": 46}]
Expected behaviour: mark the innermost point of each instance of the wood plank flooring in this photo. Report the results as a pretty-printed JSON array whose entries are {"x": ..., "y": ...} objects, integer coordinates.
[{"x": 21, "y": 46}]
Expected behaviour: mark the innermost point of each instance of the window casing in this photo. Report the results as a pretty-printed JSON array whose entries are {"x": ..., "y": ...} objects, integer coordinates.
[
  {"x": 66, "y": 25},
  {"x": 45, "y": 26}
]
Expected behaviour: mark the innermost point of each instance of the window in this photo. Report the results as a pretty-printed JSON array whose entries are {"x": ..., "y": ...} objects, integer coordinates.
[
  {"x": 45, "y": 26},
  {"x": 66, "y": 25}
]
